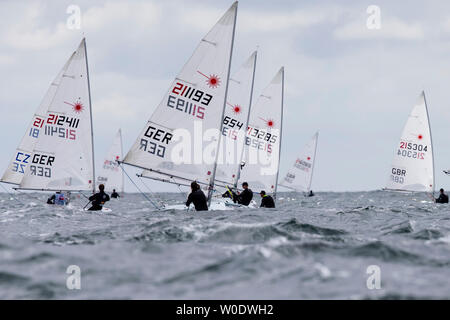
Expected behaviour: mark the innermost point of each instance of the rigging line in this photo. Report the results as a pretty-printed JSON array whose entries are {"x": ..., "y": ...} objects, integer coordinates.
[
  {"x": 145, "y": 196},
  {"x": 3, "y": 187},
  {"x": 161, "y": 202}
]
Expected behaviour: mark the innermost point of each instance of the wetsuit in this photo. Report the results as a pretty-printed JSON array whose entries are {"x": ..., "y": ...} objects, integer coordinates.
[
  {"x": 98, "y": 200},
  {"x": 267, "y": 202},
  {"x": 245, "y": 197},
  {"x": 199, "y": 199},
  {"x": 443, "y": 198},
  {"x": 311, "y": 194},
  {"x": 115, "y": 195}
]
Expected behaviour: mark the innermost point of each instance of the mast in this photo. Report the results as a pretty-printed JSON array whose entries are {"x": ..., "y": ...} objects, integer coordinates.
[
  {"x": 238, "y": 174},
  {"x": 90, "y": 111},
  {"x": 314, "y": 162},
  {"x": 281, "y": 132},
  {"x": 431, "y": 138},
  {"x": 121, "y": 157},
  {"x": 213, "y": 174}
]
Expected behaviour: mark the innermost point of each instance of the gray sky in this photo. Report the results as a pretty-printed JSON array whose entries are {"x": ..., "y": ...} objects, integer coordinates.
[{"x": 357, "y": 86}]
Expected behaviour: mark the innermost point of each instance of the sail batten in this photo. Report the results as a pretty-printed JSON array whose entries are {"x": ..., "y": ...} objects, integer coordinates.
[{"x": 413, "y": 164}]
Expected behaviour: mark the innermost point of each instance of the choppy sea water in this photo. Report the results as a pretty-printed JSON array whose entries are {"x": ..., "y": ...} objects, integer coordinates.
[{"x": 306, "y": 248}]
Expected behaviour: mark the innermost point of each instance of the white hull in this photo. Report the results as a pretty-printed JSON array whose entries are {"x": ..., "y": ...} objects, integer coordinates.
[{"x": 216, "y": 204}]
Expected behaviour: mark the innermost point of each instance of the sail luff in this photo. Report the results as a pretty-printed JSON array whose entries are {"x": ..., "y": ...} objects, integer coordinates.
[
  {"x": 213, "y": 174},
  {"x": 431, "y": 138},
  {"x": 281, "y": 132},
  {"x": 121, "y": 157},
  {"x": 90, "y": 111}
]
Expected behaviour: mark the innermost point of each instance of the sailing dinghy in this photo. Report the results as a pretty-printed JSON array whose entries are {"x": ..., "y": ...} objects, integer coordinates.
[
  {"x": 299, "y": 177},
  {"x": 56, "y": 152},
  {"x": 413, "y": 165},
  {"x": 263, "y": 143},
  {"x": 172, "y": 143},
  {"x": 111, "y": 175},
  {"x": 234, "y": 130}
]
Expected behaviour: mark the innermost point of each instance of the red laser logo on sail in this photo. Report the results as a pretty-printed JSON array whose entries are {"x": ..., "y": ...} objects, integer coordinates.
[
  {"x": 213, "y": 81},
  {"x": 236, "y": 108},
  {"x": 309, "y": 158},
  {"x": 77, "y": 106},
  {"x": 269, "y": 122},
  {"x": 420, "y": 137}
]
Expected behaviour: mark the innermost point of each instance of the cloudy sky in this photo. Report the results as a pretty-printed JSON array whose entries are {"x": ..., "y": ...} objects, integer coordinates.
[{"x": 355, "y": 85}]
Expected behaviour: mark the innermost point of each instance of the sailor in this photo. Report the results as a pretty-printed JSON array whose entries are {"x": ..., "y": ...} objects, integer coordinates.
[
  {"x": 246, "y": 196},
  {"x": 57, "y": 198},
  {"x": 114, "y": 194},
  {"x": 98, "y": 199},
  {"x": 197, "y": 197},
  {"x": 266, "y": 201},
  {"x": 229, "y": 193},
  {"x": 443, "y": 198},
  {"x": 310, "y": 194}
]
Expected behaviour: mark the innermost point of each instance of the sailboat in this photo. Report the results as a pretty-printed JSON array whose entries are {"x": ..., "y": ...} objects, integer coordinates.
[
  {"x": 299, "y": 177},
  {"x": 56, "y": 152},
  {"x": 413, "y": 165},
  {"x": 111, "y": 175},
  {"x": 171, "y": 143},
  {"x": 235, "y": 123},
  {"x": 261, "y": 161}
]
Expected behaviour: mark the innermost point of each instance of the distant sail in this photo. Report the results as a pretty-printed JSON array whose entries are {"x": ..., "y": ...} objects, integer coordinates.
[
  {"x": 194, "y": 105},
  {"x": 111, "y": 175},
  {"x": 299, "y": 177},
  {"x": 262, "y": 152},
  {"x": 413, "y": 168},
  {"x": 62, "y": 154}
]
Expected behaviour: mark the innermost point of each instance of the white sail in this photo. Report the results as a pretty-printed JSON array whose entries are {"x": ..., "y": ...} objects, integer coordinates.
[
  {"x": 110, "y": 174},
  {"x": 235, "y": 122},
  {"x": 234, "y": 128},
  {"x": 181, "y": 137},
  {"x": 263, "y": 141},
  {"x": 299, "y": 177},
  {"x": 23, "y": 155},
  {"x": 62, "y": 155},
  {"x": 413, "y": 168}
]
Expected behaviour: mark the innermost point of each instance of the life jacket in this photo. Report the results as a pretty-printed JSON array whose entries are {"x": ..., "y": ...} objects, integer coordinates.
[{"x": 60, "y": 199}]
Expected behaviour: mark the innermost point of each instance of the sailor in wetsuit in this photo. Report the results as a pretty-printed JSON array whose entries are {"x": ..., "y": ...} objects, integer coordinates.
[
  {"x": 98, "y": 199},
  {"x": 443, "y": 198},
  {"x": 197, "y": 197},
  {"x": 310, "y": 194},
  {"x": 114, "y": 194},
  {"x": 58, "y": 198},
  {"x": 246, "y": 196},
  {"x": 229, "y": 193},
  {"x": 266, "y": 201}
]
